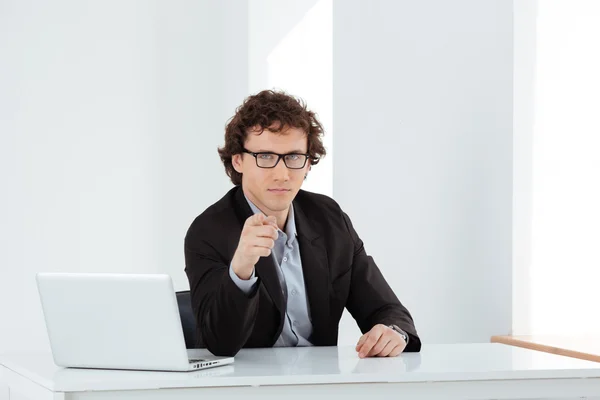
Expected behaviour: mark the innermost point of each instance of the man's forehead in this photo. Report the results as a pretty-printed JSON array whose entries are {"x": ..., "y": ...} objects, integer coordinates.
[{"x": 288, "y": 140}]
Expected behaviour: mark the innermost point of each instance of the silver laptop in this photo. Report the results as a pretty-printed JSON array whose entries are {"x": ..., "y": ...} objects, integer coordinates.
[{"x": 117, "y": 321}]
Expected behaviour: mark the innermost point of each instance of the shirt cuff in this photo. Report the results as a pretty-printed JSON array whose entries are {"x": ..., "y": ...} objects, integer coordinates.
[{"x": 246, "y": 286}]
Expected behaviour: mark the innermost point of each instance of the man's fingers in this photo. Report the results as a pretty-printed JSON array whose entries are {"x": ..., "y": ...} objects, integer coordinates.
[
  {"x": 266, "y": 231},
  {"x": 256, "y": 220},
  {"x": 271, "y": 220},
  {"x": 265, "y": 242},
  {"x": 360, "y": 341},
  {"x": 260, "y": 251},
  {"x": 387, "y": 349},
  {"x": 379, "y": 346},
  {"x": 370, "y": 339},
  {"x": 397, "y": 350},
  {"x": 261, "y": 219},
  {"x": 367, "y": 345},
  {"x": 259, "y": 246}
]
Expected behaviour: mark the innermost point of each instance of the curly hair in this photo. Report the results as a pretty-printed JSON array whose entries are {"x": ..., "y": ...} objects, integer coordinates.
[{"x": 275, "y": 111}]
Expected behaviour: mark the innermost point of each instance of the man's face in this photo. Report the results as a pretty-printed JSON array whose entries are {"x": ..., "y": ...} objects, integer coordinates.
[{"x": 272, "y": 189}]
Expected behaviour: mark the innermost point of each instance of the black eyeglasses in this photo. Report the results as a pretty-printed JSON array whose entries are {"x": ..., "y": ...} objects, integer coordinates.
[{"x": 270, "y": 160}]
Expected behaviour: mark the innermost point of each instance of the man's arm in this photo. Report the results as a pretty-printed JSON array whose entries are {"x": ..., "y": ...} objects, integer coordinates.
[
  {"x": 371, "y": 301},
  {"x": 224, "y": 305},
  {"x": 224, "y": 313}
]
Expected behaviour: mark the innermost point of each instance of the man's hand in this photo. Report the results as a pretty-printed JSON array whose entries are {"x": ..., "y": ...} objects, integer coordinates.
[
  {"x": 257, "y": 240},
  {"x": 380, "y": 341}
]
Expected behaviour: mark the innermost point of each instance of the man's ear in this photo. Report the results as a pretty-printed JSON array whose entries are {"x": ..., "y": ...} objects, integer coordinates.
[
  {"x": 306, "y": 174},
  {"x": 236, "y": 161}
]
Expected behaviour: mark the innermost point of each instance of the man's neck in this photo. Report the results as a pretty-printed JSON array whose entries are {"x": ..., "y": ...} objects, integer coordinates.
[
  {"x": 282, "y": 219},
  {"x": 280, "y": 216}
]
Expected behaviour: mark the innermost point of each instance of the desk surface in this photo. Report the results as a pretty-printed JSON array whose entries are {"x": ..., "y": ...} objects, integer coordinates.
[
  {"x": 583, "y": 347},
  {"x": 318, "y": 365}
]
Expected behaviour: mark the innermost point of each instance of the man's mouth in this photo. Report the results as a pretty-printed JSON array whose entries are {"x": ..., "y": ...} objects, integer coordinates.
[{"x": 279, "y": 190}]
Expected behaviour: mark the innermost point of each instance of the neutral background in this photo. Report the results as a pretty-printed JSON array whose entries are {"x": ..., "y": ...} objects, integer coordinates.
[{"x": 111, "y": 113}]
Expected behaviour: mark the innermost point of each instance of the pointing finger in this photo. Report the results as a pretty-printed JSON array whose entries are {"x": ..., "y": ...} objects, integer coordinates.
[{"x": 256, "y": 220}]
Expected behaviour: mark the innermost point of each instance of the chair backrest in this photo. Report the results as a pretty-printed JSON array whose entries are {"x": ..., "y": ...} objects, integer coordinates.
[{"x": 188, "y": 321}]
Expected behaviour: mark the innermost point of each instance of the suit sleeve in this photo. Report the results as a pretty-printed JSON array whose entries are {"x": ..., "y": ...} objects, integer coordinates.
[
  {"x": 371, "y": 301},
  {"x": 224, "y": 314}
]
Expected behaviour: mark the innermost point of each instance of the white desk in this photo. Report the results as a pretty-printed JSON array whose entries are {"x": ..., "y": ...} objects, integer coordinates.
[{"x": 474, "y": 371}]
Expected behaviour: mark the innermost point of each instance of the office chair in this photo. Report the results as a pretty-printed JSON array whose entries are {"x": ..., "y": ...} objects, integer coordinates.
[{"x": 188, "y": 321}]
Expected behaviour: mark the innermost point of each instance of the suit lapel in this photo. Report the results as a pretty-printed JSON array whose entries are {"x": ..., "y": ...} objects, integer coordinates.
[
  {"x": 315, "y": 269},
  {"x": 316, "y": 274},
  {"x": 265, "y": 267}
]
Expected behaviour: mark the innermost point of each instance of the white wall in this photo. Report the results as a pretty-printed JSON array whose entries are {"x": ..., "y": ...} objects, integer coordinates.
[
  {"x": 565, "y": 167},
  {"x": 423, "y": 118},
  {"x": 290, "y": 48},
  {"x": 110, "y": 115},
  {"x": 111, "y": 112},
  {"x": 524, "y": 41}
]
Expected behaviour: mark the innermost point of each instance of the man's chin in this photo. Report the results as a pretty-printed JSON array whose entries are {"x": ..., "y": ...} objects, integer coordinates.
[{"x": 278, "y": 205}]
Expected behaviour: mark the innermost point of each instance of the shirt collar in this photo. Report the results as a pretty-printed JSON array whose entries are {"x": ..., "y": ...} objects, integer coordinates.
[{"x": 290, "y": 226}]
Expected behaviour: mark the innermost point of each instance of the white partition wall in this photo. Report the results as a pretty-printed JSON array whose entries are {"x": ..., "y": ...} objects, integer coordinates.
[
  {"x": 111, "y": 113},
  {"x": 422, "y": 108},
  {"x": 110, "y": 116}
]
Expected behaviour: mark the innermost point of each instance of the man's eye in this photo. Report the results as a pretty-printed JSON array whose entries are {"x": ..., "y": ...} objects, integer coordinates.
[
  {"x": 266, "y": 156},
  {"x": 293, "y": 157}
]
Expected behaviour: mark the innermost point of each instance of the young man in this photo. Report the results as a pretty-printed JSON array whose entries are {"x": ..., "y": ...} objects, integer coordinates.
[{"x": 272, "y": 265}]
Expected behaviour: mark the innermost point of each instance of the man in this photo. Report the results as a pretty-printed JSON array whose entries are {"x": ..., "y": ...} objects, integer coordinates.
[{"x": 272, "y": 265}]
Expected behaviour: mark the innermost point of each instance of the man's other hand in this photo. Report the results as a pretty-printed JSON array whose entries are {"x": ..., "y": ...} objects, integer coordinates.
[{"x": 380, "y": 341}]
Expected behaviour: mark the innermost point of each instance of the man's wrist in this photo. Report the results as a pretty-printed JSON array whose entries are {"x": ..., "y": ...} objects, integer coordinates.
[
  {"x": 244, "y": 276},
  {"x": 245, "y": 285},
  {"x": 243, "y": 273}
]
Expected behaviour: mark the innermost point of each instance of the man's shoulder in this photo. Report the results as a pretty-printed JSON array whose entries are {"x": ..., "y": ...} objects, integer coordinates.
[
  {"x": 305, "y": 196},
  {"x": 323, "y": 214},
  {"x": 219, "y": 216},
  {"x": 317, "y": 204}
]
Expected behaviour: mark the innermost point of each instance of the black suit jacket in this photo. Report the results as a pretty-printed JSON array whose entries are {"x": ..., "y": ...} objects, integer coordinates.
[{"x": 337, "y": 271}]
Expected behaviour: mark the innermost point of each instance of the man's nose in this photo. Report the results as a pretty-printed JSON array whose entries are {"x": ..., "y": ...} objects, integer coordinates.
[{"x": 281, "y": 172}]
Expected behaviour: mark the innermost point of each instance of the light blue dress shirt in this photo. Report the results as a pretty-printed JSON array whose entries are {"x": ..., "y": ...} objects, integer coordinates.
[{"x": 297, "y": 327}]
